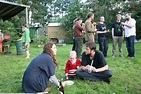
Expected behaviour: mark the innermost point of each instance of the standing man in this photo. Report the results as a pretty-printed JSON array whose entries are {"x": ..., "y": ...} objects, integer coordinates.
[
  {"x": 90, "y": 29},
  {"x": 130, "y": 33},
  {"x": 94, "y": 67},
  {"x": 102, "y": 39},
  {"x": 117, "y": 35},
  {"x": 78, "y": 36},
  {"x": 73, "y": 47},
  {"x": 26, "y": 39}
]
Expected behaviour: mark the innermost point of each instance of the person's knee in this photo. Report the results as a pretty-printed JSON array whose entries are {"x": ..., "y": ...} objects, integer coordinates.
[
  {"x": 110, "y": 73},
  {"x": 77, "y": 72}
]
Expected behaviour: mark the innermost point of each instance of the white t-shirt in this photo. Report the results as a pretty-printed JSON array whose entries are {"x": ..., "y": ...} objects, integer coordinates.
[{"x": 130, "y": 31}]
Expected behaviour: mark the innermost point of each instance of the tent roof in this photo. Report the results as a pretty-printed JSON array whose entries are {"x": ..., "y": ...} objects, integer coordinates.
[{"x": 9, "y": 9}]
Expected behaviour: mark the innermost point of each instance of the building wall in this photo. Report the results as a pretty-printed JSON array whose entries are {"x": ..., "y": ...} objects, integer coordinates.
[{"x": 56, "y": 32}]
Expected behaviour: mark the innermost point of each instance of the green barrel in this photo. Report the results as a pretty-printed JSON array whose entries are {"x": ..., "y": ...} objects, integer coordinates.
[{"x": 19, "y": 47}]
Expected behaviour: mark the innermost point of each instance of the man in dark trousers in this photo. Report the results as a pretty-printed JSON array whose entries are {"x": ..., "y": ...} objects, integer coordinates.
[
  {"x": 78, "y": 36},
  {"x": 94, "y": 66},
  {"x": 102, "y": 39}
]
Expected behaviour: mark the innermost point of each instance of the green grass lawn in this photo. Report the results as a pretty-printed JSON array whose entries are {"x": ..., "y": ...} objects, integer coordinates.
[{"x": 125, "y": 80}]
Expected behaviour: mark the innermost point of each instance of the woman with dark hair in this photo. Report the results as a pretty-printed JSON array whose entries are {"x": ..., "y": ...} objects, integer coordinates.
[{"x": 41, "y": 70}]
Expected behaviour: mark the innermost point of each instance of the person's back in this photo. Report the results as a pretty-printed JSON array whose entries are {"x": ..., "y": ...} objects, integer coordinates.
[
  {"x": 26, "y": 39},
  {"x": 26, "y": 35},
  {"x": 36, "y": 76}
]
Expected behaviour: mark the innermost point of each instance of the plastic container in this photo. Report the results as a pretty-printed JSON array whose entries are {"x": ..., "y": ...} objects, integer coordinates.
[{"x": 19, "y": 48}]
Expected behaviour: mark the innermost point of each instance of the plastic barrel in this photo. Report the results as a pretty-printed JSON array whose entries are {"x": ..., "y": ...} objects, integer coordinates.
[{"x": 19, "y": 47}]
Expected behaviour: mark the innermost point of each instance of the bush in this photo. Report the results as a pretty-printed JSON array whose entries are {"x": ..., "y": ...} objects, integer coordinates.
[{"x": 41, "y": 40}]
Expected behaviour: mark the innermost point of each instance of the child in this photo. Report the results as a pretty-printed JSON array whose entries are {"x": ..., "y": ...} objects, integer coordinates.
[{"x": 72, "y": 65}]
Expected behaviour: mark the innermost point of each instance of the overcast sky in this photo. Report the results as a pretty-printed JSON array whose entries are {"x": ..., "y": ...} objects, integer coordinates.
[{"x": 84, "y": 0}]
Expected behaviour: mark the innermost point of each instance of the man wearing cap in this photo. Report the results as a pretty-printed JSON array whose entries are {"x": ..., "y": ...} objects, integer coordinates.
[{"x": 78, "y": 36}]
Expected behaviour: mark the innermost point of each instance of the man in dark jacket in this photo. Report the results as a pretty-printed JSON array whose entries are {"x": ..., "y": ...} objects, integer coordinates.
[{"x": 78, "y": 36}]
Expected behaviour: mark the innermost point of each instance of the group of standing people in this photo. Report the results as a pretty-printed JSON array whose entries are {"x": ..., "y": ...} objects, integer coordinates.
[
  {"x": 119, "y": 30},
  {"x": 125, "y": 29}
]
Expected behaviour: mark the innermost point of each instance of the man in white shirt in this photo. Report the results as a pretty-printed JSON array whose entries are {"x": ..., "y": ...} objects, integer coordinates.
[{"x": 130, "y": 33}]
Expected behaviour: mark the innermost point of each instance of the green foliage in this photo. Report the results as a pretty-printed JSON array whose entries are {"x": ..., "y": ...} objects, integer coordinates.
[
  {"x": 41, "y": 40},
  {"x": 74, "y": 10},
  {"x": 105, "y": 8},
  {"x": 137, "y": 17},
  {"x": 43, "y": 10},
  {"x": 8, "y": 28}
]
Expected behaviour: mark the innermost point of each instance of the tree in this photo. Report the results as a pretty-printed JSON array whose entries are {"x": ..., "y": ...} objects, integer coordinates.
[
  {"x": 73, "y": 9},
  {"x": 105, "y": 8}
]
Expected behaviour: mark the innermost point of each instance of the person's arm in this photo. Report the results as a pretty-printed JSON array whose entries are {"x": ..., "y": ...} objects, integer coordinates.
[
  {"x": 84, "y": 62},
  {"x": 102, "y": 65},
  {"x": 67, "y": 68},
  {"x": 112, "y": 32},
  {"x": 123, "y": 33},
  {"x": 26, "y": 35},
  {"x": 54, "y": 80},
  {"x": 80, "y": 27},
  {"x": 99, "y": 30},
  {"x": 102, "y": 32},
  {"x": 100, "y": 69},
  {"x": 130, "y": 25}
]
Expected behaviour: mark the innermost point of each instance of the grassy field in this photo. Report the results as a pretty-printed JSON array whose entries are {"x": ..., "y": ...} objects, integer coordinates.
[{"x": 125, "y": 80}]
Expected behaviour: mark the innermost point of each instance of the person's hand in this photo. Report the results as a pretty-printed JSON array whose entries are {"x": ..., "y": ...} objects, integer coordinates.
[
  {"x": 108, "y": 30},
  {"x": 84, "y": 68},
  {"x": 83, "y": 32},
  {"x": 122, "y": 23},
  {"x": 77, "y": 67},
  {"x": 87, "y": 67},
  {"x": 94, "y": 69},
  {"x": 26, "y": 44},
  {"x": 66, "y": 76}
]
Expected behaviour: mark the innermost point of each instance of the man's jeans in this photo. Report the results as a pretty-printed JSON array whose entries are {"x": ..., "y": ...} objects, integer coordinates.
[
  {"x": 103, "y": 45},
  {"x": 130, "y": 46}
]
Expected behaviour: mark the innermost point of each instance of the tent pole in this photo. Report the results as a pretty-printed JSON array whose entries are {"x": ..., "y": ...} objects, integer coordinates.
[{"x": 26, "y": 15}]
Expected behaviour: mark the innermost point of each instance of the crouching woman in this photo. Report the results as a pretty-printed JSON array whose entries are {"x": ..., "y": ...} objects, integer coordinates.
[{"x": 40, "y": 71}]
